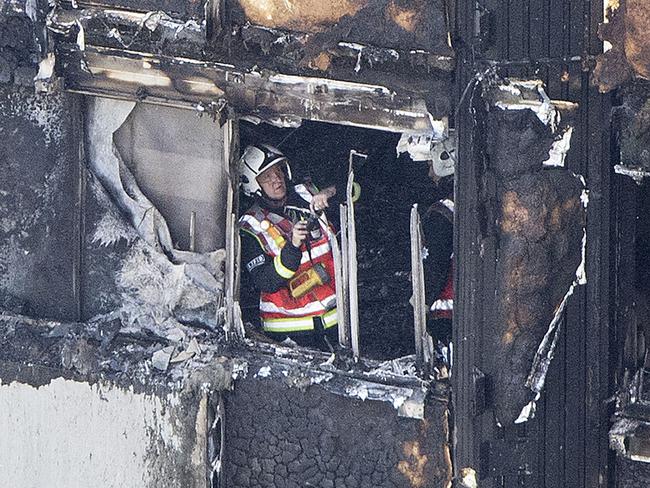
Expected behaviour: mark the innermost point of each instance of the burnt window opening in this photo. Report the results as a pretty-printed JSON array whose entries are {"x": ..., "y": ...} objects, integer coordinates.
[{"x": 390, "y": 185}]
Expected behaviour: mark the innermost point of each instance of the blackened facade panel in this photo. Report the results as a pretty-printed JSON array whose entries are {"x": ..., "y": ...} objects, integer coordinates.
[{"x": 566, "y": 443}]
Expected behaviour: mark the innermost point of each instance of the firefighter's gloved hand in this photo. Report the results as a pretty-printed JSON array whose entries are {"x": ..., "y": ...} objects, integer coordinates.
[
  {"x": 320, "y": 201},
  {"x": 299, "y": 233}
]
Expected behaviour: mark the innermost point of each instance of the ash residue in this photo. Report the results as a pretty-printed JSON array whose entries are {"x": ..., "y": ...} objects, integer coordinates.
[
  {"x": 152, "y": 288},
  {"x": 101, "y": 349},
  {"x": 139, "y": 283},
  {"x": 110, "y": 230}
]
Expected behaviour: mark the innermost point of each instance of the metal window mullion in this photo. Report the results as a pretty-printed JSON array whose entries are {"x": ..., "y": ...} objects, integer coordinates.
[
  {"x": 339, "y": 267},
  {"x": 352, "y": 269},
  {"x": 417, "y": 281},
  {"x": 233, "y": 326}
]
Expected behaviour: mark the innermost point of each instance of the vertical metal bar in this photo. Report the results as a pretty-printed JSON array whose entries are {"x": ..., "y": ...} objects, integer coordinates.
[
  {"x": 341, "y": 311},
  {"x": 352, "y": 262},
  {"x": 233, "y": 326},
  {"x": 233, "y": 142},
  {"x": 345, "y": 267},
  {"x": 193, "y": 231},
  {"x": 417, "y": 281}
]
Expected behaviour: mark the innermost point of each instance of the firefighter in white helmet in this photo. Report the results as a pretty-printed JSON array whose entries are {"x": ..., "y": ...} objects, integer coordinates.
[{"x": 286, "y": 250}]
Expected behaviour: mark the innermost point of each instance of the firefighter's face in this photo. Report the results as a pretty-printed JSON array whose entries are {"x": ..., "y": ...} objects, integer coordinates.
[{"x": 273, "y": 183}]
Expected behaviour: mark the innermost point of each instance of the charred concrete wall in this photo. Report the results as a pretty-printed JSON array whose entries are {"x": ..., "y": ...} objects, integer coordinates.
[
  {"x": 90, "y": 404},
  {"x": 21, "y": 38},
  {"x": 39, "y": 156},
  {"x": 129, "y": 439}
]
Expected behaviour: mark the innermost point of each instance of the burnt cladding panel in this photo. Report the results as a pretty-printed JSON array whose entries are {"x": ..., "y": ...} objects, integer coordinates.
[
  {"x": 286, "y": 437},
  {"x": 566, "y": 444},
  {"x": 400, "y": 24},
  {"x": 38, "y": 194}
]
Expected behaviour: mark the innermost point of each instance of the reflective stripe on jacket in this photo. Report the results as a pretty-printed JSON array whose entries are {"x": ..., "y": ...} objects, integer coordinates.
[{"x": 279, "y": 311}]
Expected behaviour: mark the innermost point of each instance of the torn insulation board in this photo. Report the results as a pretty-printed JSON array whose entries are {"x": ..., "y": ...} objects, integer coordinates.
[{"x": 540, "y": 223}]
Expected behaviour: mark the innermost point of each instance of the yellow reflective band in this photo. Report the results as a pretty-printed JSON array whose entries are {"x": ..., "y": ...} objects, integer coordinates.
[
  {"x": 356, "y": 192},
  {"x": 330, "y": 319},
  {"x": 281, "y": 269},
  {"x": 299, "y": 324}
]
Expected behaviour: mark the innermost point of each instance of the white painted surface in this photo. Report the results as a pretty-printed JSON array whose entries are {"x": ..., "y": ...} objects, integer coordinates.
[{"x": 70, "y": 434}]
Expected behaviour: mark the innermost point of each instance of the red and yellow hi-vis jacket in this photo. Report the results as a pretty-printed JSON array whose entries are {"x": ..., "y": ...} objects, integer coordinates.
[{"x": 279, "y": 311}]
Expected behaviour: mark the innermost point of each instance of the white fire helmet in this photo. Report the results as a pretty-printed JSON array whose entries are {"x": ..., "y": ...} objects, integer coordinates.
[
  {"x": 255, "y": 160},
  {"x": 443, "y": 156}
]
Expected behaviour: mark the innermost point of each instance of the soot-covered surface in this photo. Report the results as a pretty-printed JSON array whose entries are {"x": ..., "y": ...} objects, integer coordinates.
[
  {"x": 540, "y": 220},
  {"x": 294, "y": 437},
  {"x": 631, "y": 474},
  {"x": 630, "y": 53},
  {"x": 38, "y": 188},
  {"x": 633, "y": 119},
  {"x": 389, "y": 186},
  {"x": 19, "y": 41}
]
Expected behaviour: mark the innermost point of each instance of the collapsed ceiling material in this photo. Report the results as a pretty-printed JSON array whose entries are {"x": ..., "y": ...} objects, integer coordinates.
[
  {"x": 627, "y": 32},
  {"x": 539, "y": 220}
]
